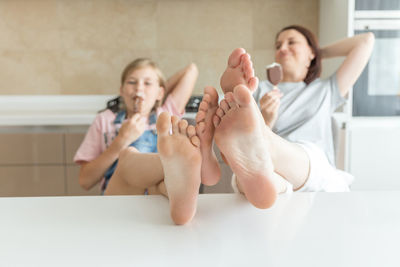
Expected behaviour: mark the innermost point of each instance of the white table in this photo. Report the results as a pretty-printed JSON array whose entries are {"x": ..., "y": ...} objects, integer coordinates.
[{"x": 304, "y": 229}]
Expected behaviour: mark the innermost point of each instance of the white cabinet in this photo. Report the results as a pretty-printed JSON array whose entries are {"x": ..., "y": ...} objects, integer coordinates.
[
  {"x": 373, "y": 154},
  {"x": 372, "y": 144}
]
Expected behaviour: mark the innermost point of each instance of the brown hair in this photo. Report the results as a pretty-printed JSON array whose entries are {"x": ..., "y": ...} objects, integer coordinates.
[
  {"x": 144, "y": 63},
  {"x": 315, "y": 68}
]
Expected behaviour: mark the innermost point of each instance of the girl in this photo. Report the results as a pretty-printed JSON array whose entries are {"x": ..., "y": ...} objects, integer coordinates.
[{"x": 145, "y": 94}]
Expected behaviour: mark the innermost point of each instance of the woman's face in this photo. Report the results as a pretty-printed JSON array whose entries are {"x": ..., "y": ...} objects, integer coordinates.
[
  {"x": 293, "y": 52},
  {"x": 143, "y": 83}
]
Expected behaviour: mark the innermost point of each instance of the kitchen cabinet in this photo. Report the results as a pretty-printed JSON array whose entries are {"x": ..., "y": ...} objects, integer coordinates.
[
  {"x": 371, "y": 142},
  {"x": 40, "y": 163}
]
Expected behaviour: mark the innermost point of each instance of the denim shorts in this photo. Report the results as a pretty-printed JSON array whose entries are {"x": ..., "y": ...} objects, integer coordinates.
[{"x": 146, "y": 143}]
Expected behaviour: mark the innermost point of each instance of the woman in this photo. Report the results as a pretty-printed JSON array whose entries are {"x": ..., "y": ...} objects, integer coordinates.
[
  {"x": 300, "y": 110},
  {"x": 299, "y": 147}
]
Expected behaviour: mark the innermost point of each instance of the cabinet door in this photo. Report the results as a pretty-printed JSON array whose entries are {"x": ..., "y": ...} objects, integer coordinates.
[
  {"x": 31, "y": 148},
  {"x": 374, "y": 157},
  {"x": 23, "y": 181},
  {"x": 72, "y": 143}
]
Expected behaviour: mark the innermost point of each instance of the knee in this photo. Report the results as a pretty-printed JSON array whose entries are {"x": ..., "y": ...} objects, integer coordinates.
[{"x": 126, "y": 166}]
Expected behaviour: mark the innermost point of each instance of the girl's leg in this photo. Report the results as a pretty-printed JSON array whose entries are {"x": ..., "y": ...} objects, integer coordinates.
[
  {"x": 135, "y": 173},
  {"x": 158, "y": 189},
  {"x": 181, "y": 160}
]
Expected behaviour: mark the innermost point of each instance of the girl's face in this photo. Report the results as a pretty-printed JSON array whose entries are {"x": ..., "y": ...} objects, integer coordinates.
[
  {"x": 144, "y": 83},
  {"x": 293, "y": 52}
]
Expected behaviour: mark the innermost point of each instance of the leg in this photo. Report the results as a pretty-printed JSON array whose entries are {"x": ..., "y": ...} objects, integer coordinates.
[
  {"x": 210, "y": 171},
  {"x": 250, "y": 148},
  {"x": 239, "y": 71},
  {"x": 158, "y": 189},
  {"x": 135, "y": 172},
  {"x": 181, "y": 160}
]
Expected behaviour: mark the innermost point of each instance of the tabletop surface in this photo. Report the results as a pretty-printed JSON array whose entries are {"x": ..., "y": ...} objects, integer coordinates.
[{"x": 301, "y": 229}]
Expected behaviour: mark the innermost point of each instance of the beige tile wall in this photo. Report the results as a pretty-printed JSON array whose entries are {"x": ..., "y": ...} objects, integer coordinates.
[{"x": 81, "y": 46}]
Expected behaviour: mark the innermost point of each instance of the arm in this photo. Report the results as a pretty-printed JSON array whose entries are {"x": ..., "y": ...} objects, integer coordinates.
[
  {"x": 357, "y": 50},
  {"x": 269, "y": 106},
  {"x": 180, "y": 86},
  {"x": 93, "y": 171}
]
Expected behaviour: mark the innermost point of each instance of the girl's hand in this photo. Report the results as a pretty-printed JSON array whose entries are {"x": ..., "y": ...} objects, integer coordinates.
[
  {"x": 269, "y": 105},
  {"x": 131, "y": 129}
]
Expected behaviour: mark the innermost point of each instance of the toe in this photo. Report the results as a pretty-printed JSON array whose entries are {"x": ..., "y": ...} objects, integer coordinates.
[
  {"x": 216, "y": 120},
  {"x": 234, "y": 58},
  {"x": 182, "y": 124},
  {"x": 248, "y": 69},
  {"x": 242, "y": 95},
  {"x": 175, "y": 121},
  {"x": 200, "y": 127},
  {"x": 190, "y": 131},
  {"x": 230, "y": 100},
  {"x": 253, "y": 84},
  {"x": 224, "y": 106},
  {"x": 163, "y": 124},
  {"x": 200, "y": 116},
  {"x": 220, "y": 112},
  {"x": 203, "y": 105},
  {"x": 213, "y": 94},
  {"x": 195, "y": 140}
]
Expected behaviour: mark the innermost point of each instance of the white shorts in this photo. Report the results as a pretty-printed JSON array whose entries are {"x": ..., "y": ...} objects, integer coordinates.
[{"x": 322, "y": 177}]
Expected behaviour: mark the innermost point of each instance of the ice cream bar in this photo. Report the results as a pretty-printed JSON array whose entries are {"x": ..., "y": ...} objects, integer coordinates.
[
  {"x": 274, "y": 73},
  {"x": 137, "y": 104}
]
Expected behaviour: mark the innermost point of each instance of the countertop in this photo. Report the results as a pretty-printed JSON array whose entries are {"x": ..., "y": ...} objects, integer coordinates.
[
  {"x": 66, "y": 110},
  {"x": 301, "y": 229},
  {"x": 53, "y": 110}
]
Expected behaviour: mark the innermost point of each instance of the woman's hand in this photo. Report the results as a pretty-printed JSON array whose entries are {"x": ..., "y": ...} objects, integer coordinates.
[
  {"x": 131, "y": 129},
  {"x": 269, "y": 105}
]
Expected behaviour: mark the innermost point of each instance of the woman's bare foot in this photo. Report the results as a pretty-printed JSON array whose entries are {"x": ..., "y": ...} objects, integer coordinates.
[
  {"x": 210, "y": 171},
  {"x": 181, "y": 160},
  {"x": 239, "y": 71},
  {"x": 241, "y": 135}
]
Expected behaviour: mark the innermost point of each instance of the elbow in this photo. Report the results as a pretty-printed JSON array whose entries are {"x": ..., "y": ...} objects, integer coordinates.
[
  {"x": 369, "y": 38},
  {"x": 83, "y": 183},
  {"x": 192, "y": 68}
]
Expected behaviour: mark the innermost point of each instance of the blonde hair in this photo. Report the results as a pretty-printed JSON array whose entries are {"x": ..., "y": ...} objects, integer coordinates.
[{"x": 144, "y": 63}]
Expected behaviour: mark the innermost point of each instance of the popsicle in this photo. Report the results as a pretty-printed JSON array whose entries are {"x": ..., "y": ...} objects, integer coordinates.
[
  {"x": 137, "y": 104},
  {"x": 274, "y": 73}
]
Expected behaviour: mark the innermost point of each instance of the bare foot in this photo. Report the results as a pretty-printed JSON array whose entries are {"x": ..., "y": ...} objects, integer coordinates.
[
  {"x": 239, "y": 71},
  {"x": 210, "y": 171},
  {"x": 241, "y": 135},
  {"x": 181, "y": 160}
]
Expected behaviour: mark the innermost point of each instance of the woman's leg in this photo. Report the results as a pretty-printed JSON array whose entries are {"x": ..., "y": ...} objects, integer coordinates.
[
  {"x": 254, "y": 152},
  {"x": 240, "y": 71}
]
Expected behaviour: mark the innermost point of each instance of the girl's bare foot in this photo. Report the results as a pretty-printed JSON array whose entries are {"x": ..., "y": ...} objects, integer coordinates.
[
  {"x": 241, "y": 135},
  {"x": 181, "y": 160},
  {"x": 239, "y": 71},
  {"x": 210, "y": 170}
]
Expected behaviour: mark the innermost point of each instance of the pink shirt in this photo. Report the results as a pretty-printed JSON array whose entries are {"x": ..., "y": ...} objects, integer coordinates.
[{"x": 103, "y": 131}]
